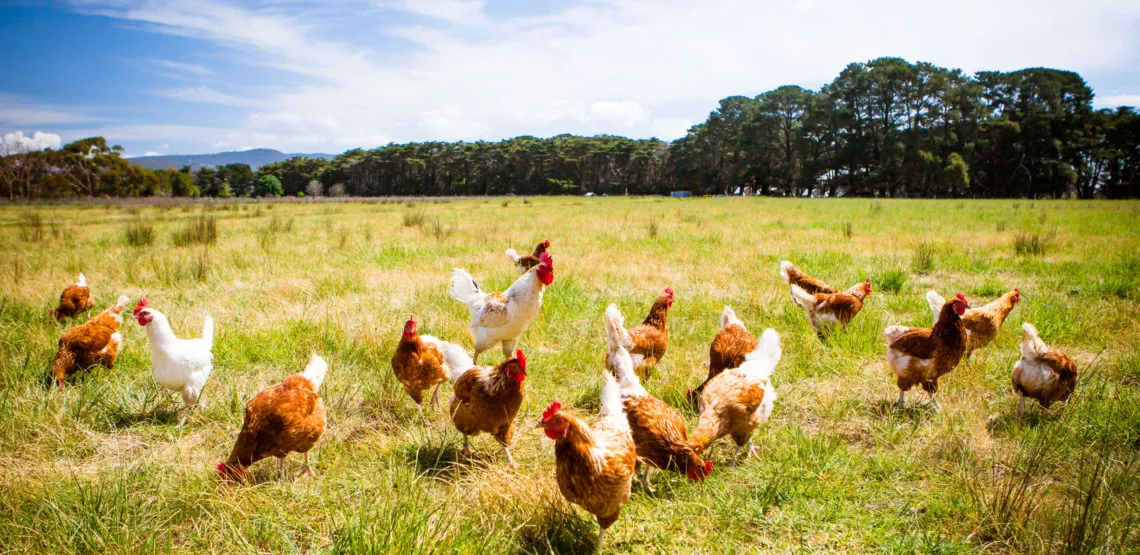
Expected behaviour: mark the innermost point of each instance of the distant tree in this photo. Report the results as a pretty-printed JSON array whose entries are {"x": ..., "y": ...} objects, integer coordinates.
[
  {"x": 337, "y": 190},
  {"x": 313, "y": 189},
  {"x": 239, "y": 177},
  {"x": 268, "y": 186}
]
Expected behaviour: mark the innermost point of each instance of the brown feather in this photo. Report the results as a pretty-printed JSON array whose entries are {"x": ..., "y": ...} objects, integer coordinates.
[
  {"x": 418, "y": 366},
  {"x": 487, "y": 400},
  {"x": 286, "y": 418}
]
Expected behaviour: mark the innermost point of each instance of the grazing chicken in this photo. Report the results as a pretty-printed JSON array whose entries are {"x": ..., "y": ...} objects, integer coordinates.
[
  {"x": 646, "y": 342},
  {"x": 96, "y": 341},
  {"x": 286, "y": 418},
  {"x": 982, "y": 323},
  {"x": 524, "y": 263},
  {"x": 487, "y": 400},
  {"x": 422, "y": 362},
  {"x": 825, "y": 309},
  {"x": 501, "y": 318},
  {"x": 738, "y": 401},
  {"x": 75, "y": 299},
  {"x": 919, "y": 356},
  {"x": 658, "y": 430},
  {"x": 594, "y": 465},
  {"x": 1043, "y": 373},
  {"x": 729, "y": 349},
  {"x": 180, "y": 365}
]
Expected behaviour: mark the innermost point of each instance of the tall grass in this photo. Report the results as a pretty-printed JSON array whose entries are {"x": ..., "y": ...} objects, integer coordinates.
[
  {"x": 202, "y": 230},
  {"x": 1027, "y": 243},
  {"x": 138, "y": 233},
  {"x": 922, "y": 260}
]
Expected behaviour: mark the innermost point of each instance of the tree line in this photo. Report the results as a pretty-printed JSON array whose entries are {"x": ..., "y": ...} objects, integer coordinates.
[{"x": 886, "y": 128}]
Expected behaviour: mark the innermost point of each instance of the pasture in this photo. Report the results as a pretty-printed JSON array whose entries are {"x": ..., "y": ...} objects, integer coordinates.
[{"x": 103, "y": 464}]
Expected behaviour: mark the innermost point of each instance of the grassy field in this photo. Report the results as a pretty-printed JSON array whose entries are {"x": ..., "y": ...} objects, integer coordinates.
[{"x": 104, "y": 466}]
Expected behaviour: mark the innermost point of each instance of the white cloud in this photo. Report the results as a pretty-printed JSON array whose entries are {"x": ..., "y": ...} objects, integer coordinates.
[
  {"x": 181, "y": 67},
  {"x": 204, "y": 94},
  {"x": 623, "y": 113},
  {"x": 634, "y": 67},
  {"x": 17, "y": 111},
  {"x": 462, "y": 12},
  {"x": 17, "y": 142}
]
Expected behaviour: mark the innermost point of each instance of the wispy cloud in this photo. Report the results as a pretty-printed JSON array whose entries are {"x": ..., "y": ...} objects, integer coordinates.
[
  {"x": 181, "y": 67},
  {"x": 206, "y": 95},
  {"x": 462, "y": 12},
  {"x": 20, "y": 111}
]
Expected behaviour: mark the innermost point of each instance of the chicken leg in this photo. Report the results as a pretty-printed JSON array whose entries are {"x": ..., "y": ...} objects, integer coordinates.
[
  {"x": 308, "y": 471},
  {"x": 1020, "y": 405},
  {"x": 435, "y": 397},
  {"x": 509, "y": 347},
  {"x": 901, "y": 404},
  {"x": 510, "y": 459},
  {"x": 281, "y": 469},
  {"x": 643, "y": 476}
]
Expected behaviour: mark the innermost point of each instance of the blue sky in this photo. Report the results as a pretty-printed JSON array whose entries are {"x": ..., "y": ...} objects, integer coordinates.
[{"x": 182, "y": 76}]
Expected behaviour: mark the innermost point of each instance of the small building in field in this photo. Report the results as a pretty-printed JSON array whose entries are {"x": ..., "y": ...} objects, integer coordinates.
[{"x": 681, "y": 194}]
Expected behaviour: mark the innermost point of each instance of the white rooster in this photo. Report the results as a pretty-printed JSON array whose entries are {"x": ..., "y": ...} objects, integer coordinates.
[
  {"x": 180, "y": 365},
  {"x": 501, "y": 318}
]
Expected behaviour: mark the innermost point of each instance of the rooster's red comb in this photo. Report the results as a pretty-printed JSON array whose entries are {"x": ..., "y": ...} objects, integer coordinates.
[
  {"x": 551, "y": 410},
  {"x": 521, "y": 357},
  {"x": 545, "y": 259},
  {"x": 669, "y": 291},
  {"x": 546, "y": 243},
  {"x": 141, "y": 305},
  {"x": 962, "y": 298}
]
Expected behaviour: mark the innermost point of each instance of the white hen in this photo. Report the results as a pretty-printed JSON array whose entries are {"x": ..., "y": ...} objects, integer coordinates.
[
  {"x": 180, "y": 365},
  {"x": 502, "y": 317}
]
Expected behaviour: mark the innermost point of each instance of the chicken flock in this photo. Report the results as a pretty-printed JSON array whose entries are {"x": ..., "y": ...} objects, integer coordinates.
[{"x": 634, "y": 432}]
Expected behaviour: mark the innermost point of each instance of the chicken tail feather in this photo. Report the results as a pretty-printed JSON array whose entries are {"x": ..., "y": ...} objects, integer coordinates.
[
  {"x": 728, "y": 318},
  {"x": 208, "y": 332},
  {"x": 316, "y": 370},
  {"x": 935, "y": 301}
]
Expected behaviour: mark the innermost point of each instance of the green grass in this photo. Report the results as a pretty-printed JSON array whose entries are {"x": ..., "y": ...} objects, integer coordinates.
[{"x": 104, "y": 466}]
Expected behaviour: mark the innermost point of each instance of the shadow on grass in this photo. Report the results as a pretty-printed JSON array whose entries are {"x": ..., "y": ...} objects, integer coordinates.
[
  {"x": 558, "y": 531},
  {"x": 917, "y": 412}
]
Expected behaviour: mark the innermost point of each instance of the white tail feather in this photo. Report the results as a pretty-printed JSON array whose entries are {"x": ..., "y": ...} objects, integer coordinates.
[
  {"x": 894, "y": 332},
  {"x": 464, "y": 289},
  {"x": 802, "y": 298},
  {"x": 935, "y": 301},
  {"x": 762, "y": 361},
  {"x": 208, "y": 331},
  {"x": 786, "y": 268},
  {"x": 728, "y": 317},
  {"x": 81, "y": 280},
  {"x": 455, "y": 359},
  {"x": 616, "y": 334},
  {"x": 621, "y": 364},
  {"x": 611, "y": 407},
  {"x": 513, "y": 256},
  {"x": 1031, "y": 344},
  {"x": 315, "y": 371}
]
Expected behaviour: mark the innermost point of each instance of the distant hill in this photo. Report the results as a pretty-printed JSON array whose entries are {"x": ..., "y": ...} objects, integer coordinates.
[{"x": 256, "y": 158}]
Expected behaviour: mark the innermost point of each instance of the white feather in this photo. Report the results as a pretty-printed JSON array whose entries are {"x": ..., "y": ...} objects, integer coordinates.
[
  {"x": 936, "y": 302},
  {"x": 316, "y": 370},
  {"x": 728, "y": 318},
  {"x": 455, "y": 359}
]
